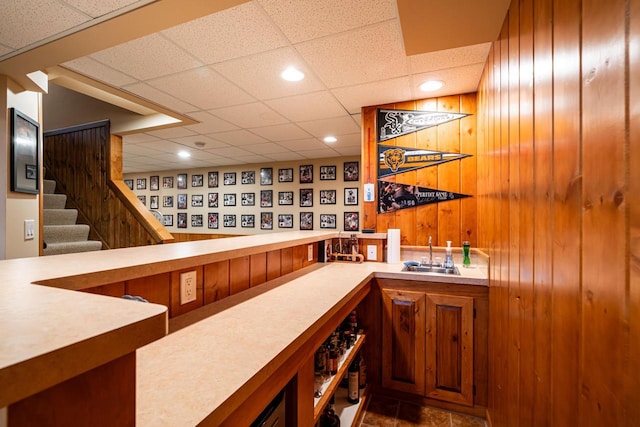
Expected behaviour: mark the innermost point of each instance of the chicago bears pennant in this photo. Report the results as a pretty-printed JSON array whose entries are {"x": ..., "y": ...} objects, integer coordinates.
[
  {"x": 393, "y": 196},
  {"x": 395, "y": 160},
  {"x": 394, "y": 123}
]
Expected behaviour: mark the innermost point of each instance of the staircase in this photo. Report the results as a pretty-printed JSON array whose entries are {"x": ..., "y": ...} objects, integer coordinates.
[{"x": 61, "y": 234}]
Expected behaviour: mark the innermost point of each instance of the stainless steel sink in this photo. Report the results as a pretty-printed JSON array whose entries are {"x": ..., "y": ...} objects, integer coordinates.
[{"x": 431, "y": 269}]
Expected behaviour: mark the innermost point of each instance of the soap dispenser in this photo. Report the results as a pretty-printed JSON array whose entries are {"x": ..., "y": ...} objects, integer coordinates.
[{"x": 448, "y": 260}]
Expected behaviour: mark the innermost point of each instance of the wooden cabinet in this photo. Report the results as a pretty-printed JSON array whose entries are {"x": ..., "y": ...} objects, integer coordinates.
[{"x": 428, "y": 344}]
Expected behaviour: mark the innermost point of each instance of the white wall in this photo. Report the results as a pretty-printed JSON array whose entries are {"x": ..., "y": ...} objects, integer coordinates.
[
  {"x": 17, "y": 207},
  {"x": 338, "y": 209}
]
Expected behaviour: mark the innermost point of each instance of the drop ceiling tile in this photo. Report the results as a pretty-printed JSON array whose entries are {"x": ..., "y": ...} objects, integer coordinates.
[
  {"x": 230, "y": 152},
  {"x": 259, "y": 75},
  {"x": 254, "y": 159},
  {"x": 99, "y": 8},
  {"x": 209, "y": 123},
  {"x": 154, "y": 95},
  {"x": 136, "y": 138},
  {"x": 202, "y": 155},
  {"x": 226, "y": 161},
  {"x": 359, "y": 56},
  {"x": 4, "y": 50},
  {"x": 279, "y": 133},
  {"x": 238, "y": 137},
  {"x": 232, "y": 33},
  {"x": 457, "y": 80},
  {"x": 42, "y": 18},
  {"x": 306, "y": 20},
  {"x": 138, "y": 150},
  {"x": 166, "y": 157},
  {"x": 134, "y": 58},
  {"x": 165, "y": 146},
  {"x": 336, "y": 126},
  {"x": 318, "y": 154},
  {"x": 375, "y": 93},
  {"x": 357, "y": 118},
  {"x": 349, "y": 151},
  {"x": 310, "y": 106},
  {"x": 171, "y": 133},
  {"x": 299, "y": 144},
  {"x": 95, "y": 70},
  {"x": 202, "y": 87},
  {"x": 449, "y": 58},
  {"x": 285, "y": 157},
  {"x": 348, "y": 140},
  {"x": 266, "y": 148},
  {"x": 191, "y": 141},
  {"x": 250, "y": 115}
]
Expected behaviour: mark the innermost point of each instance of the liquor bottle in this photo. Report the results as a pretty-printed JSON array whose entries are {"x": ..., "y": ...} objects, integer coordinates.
[
  {"x": 329, "y": 418},
  {"x": 333, "y": 360},
  {"x": 354, "y": 383}
]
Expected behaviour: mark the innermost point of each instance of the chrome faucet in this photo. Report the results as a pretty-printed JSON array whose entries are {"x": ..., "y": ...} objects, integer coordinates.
[{"x": 430, "y": 253}]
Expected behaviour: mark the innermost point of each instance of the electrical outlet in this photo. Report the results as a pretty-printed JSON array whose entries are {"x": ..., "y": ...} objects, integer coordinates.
[
  {"x": 372, "y": 253},
  {"x": 187, "y": 287},
  {"x": 29, "y": 229}
]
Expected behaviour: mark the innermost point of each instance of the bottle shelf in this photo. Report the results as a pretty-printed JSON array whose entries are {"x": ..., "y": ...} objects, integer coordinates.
[
  {"x": 329, "y": 387},
  {"x": 348, "y": 412}
]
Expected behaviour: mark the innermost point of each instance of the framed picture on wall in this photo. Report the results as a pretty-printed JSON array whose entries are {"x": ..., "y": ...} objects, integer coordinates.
[
  {"x": 212, "y": 220},
  {"x": 154, "y": 183},
  {"x": 197, "y": 200},
  {"x": 213, "y": 200},
  {"x": 306, "y": 174},
  {"x": 285, "y": 175},
  {"x": 229, "y": 178},
  {"x": 143, "y": 199},
  {"x": 306, "y": 197},
  {"x": 167, "y": 182},
  {"x": 248, "y": 199},
  {"x": 167, "y": 201},
  {"x": 213, "y": 179},
  {"x": 351, "y": 171},
  {"x": 182, "y": 201},
  {"x": 153, "y": 202},
  {"x": 266, "y": 176},
  {"x": 141, "y": 184},
  {"x": 129, "y": 183},
  {"x": 351, "y": 221},
  {"x": 196, "y": 180},
  {"x": 327, "y": 221},
  {"x": 351, "y": 196},
  {"x": 182, "y": 181},
  {"x": 196, "y": 220},
  {"x": 266, "y": 220},
  {"x": 285, "y": 221},
  {"x": 248, "y": 221},
  {"x": 229, "y": 199},
  {"x": 327, "y": 173},
  {"x": 24, "y": 153},
  {"x": 285, "y": 197},
  {"x": 266, "y": 198},
  {"x": 248, "y": 177},
  {"x": 306, "y": 220},
  {"x": 182, "y": 220},
  {"x": 167, "y": 220},
  {"x": 229, "y": 220},
  {"x": 327, "y": 197}
]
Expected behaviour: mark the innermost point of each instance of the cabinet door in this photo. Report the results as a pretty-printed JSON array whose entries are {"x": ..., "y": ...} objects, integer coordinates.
[
  {"x": 449, "y": 355},
  {"x": 403, "y": 340}
]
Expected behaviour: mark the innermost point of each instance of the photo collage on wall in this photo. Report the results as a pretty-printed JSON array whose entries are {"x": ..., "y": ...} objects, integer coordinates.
[{"x": 305, "y": 196}]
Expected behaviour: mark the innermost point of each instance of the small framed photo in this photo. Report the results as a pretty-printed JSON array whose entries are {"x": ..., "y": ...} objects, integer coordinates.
[
  {"x": 154, "y": 183},
  {"x": 141, "y": 184},
  {"x": 351, "y": 196},
  {"x": 285, "y": 175},
  {"x": 266, "y": 176},
  {"x": 229, "y": 178},
  {"x": 306, "y": 197},
  {"x": 212, "y": 220},
  {"x": 327, "y": 173},
  {"x": 248, "y": 177},
  {"x": 182, "y": 201},
  {"x": 154, "y": 202},
  {"x": 266, "y": 198},
  {"x": 182, "y": 220},
  {"x": 196, "y": 180},
  {"x": 248, "y": 199},
  {"x": 182, "y": 181},
  {"x": 167, "y": 220},
  {"x": 229, "y": 220},
  {"x": 196, "y": 220},
  {"x": 327, "y": 221},
  {"x": 248, "y": 221},
  {"x": 351, "y": 171},
  {"x": 229, "y": 200},
  {"x": 327, "y": 197},
  {"x": 129, "y": 183},
  {"x": 306, "y": 220},
  {"x": 306, "y": 174},
  {"x": 31, "y": 171},
  {"x": 197, "y": 200},
  {"x": 143, "y": 199},
  {"x": 266, "y": 220},
  {"x": 213, "y": 200},
  {"x": 167, "y": 182},
  {"x": 213, "y": 179},
  {"x": 285, "y": 221},
  {"x": 167, "y": 201},
  {"x": 351, "y": 221},
  {"x": 285, "y": 197}
]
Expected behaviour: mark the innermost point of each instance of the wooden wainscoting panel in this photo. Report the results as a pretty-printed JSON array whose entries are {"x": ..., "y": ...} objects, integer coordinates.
[
  {"x": 299, "y": 256},
  {"x": 286, "y": 260},
  {"x": 274, "y": 262},
  {"x": 155, "y": 289},
  {"x": 112, "y": 289},
  {"x": 216, "y": 281},
  {"x": 239, "y": 274},
  {"x": 258, "y": 269}
]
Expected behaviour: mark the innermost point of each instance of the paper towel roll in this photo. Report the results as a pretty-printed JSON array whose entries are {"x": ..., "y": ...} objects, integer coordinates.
[{"x": 393, "y": 246}]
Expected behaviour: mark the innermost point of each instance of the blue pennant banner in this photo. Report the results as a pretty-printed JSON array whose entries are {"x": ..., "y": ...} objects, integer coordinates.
[
  {"x": 394, "y": 123},
  {"x": 395, "y": 160},
  {"x": 393, "y": 196}
]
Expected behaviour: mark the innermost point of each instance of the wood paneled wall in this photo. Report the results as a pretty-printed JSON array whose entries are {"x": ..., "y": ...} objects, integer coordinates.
[
  {"x": 454, "y": 220},
  {"x": 559, "y": 208},
  {"x": 80, "y": 160}
]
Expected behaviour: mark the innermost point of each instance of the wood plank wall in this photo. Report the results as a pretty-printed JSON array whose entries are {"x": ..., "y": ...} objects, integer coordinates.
[
  {"x": 559, "y": 208},
  {"x": 79, "y": 161},
  {"x": 454, "y": 220}
]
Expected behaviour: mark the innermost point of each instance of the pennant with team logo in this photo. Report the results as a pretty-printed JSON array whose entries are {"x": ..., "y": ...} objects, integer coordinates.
[
  {"x": 395, "y": 160},
  {"x": 393, "y": 196},
  {"x": 394, "y": 123}
]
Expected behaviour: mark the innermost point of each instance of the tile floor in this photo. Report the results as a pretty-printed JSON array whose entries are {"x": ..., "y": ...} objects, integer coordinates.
[{"x": 386, "y": 412}]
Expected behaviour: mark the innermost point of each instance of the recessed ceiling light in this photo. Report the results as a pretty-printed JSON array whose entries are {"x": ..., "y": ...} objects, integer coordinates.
[
  {"x": 184, "y": 154},
  {"x": 292, "y": 74},
  {"x": 330, "y": 139},
  {"x": 431, "y": 85}
]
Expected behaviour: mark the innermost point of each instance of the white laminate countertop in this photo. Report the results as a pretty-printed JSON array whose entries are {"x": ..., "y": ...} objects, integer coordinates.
[{"x": 204, "y": 364}]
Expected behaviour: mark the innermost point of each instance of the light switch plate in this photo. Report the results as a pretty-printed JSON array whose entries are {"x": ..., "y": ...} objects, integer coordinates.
[{"x": 29, "y": 229}]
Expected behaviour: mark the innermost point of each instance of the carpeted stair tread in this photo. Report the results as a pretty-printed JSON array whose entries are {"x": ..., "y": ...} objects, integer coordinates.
[
  {"x": 65, "y": 233},
  {"x": 54, "y": 201},
  {"x": 49, "y": 186},
  {"x": 60, "y": 216},
  {"x": 72, "y": 247}
]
